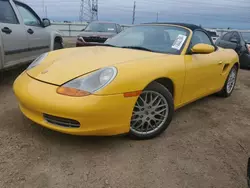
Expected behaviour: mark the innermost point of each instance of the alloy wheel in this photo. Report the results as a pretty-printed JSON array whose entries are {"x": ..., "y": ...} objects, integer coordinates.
[
  {"x": 231, "y": 80},
  {"x": 150, "y": 113}
]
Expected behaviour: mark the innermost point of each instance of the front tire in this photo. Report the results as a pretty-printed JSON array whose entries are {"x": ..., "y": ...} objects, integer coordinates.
[
  {"x": 152, "y": 113},
  {"x": 58, "y": 45},
  {"x": 229, "y": 85}
]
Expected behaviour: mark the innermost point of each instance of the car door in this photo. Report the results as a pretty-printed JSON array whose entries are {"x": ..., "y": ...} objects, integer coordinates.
[
  {"x": 241, "y": 48},
  {"x": 203, "y": 71},
  {"x": 226, "y": 41},
  {"x": 39, "y": 37},
  {"x": 14, "y": 38},
  {"x": 244, "y": 54}
]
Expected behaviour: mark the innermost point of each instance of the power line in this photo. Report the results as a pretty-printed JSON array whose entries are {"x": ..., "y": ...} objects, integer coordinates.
[
  {"x": 187, "y": 4},
  {"x": 43, "y": 7},
  {"x": 46, "y": 12},
  {"x": 230, "y": 13}
]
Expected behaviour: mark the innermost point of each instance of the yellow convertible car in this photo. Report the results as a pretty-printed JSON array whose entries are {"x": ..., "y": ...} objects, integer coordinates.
[{"x": 131, "y": 84}]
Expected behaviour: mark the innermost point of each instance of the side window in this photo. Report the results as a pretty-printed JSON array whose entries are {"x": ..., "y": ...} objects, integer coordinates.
[
  {"x": 171, "y": 35},
  {"x": 200, "y": 37},
  {"x": 227, "y": 36},
  {"x": 28, "y": 17},
  {"x": 7, "y": 14},
  {"x": 236, "y": 36}
]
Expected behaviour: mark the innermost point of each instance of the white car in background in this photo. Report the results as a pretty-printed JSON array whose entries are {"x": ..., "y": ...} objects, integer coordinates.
[{"x": 23, "y": 35}]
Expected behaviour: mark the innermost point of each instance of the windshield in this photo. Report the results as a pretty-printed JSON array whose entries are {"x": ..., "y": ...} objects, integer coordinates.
[
  {"x": 246, "y": 36},
  {"x": 101, "y": 27},
  {"x": 156, "y": 38}
]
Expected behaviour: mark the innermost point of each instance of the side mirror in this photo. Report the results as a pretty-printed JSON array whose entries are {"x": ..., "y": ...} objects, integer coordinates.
[
  {"x": 234, "y": 40},
  {"x": 46, "y": 22},
  {"x": 202, "y": 49}
]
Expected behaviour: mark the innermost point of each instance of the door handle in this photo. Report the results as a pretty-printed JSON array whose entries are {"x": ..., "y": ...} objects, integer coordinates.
[
  {"x": 6, "y": 30},
  {"x": 30, "y": 31}
]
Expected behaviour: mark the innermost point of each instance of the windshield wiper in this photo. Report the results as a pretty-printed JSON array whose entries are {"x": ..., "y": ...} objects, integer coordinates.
[
  {"x": 110, "y": 45},
  {"x": 137, "y": 48}
]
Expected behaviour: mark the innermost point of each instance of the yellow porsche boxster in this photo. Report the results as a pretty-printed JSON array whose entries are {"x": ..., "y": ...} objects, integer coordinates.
[{"x": 131, "y": 84}]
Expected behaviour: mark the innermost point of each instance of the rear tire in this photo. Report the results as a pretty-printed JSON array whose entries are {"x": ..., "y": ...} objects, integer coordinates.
[
  {"x": 229, "y": 85},
  {"x": 152, "y": 113}
]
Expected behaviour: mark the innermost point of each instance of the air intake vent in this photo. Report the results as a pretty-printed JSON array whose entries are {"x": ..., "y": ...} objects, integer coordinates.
[{"x": 64, "y": 122}]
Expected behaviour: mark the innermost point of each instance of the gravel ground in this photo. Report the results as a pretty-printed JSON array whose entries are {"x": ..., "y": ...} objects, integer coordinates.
[
  {"x": 207, "y": 145},
  {"x": 69, "y": 42}
]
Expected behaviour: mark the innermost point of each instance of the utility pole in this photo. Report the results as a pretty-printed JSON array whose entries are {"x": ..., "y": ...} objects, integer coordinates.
[
  {"x": 133, "y": 19},
  {"x": 94, "y": 10},
  {"x": 157, "y": 16},
  {"x": 81, "y": 11},
  {"x": 46, "y": 12},
  {"x": 86, "y": 11},
  {"x": 43, "y": 7}
]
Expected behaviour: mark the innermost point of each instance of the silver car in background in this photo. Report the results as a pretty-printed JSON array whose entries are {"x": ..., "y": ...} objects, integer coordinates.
[
  {"x": 97, "y": 32},
  {"x": 23, "y": 35}
]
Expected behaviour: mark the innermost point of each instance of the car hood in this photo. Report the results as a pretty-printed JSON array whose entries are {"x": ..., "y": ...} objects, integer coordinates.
[
  {"x": 64, "y": 65},
  {"x": 98, "y": 34}
]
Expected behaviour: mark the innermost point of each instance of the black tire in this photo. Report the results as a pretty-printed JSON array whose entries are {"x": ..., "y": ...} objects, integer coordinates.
[
  {"x": 158, "y": 88},
  {"x": 224, "y": 93},
  {"x": 58, "y": 45}
]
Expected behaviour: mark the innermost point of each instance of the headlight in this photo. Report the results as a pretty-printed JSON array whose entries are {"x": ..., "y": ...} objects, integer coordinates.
[
  {"x": 80, "y": 39},
  {"x": 37, "y": 61},
  {"x": 88, "y": 84}
]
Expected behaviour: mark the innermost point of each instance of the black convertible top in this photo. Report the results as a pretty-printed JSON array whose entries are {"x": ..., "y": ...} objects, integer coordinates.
[{"x": 190, "y": 26}]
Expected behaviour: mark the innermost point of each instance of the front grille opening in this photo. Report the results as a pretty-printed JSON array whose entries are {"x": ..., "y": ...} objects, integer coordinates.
[
  {"x": 63, "y": 122},
  {"x": 94, "y": 39}
]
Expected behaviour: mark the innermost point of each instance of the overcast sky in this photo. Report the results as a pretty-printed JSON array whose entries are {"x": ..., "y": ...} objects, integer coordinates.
[{"x": 212, "y": 13}]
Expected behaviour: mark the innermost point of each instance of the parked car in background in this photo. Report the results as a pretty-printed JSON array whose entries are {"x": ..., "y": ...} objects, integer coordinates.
[
  {"x": 97, "y": 32},
  {"x": 213, "y": 35},
  {"x": 214, "y": 39},
  {"x": 239, "y": 42},
  {"x": 246, "y": 37},
  {"x": 23, "y": 35}
]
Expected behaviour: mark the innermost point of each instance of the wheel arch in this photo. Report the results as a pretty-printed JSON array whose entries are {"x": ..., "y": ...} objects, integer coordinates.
[
  {"x": 167, "y": 83},
  {"x": 237, "y": 64},
  {"x": 55, "y": 36},
  {"x": 58, "y": 39}
]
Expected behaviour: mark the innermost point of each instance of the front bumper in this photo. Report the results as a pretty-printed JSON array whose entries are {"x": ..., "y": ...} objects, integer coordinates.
[
  {"x": 97, "y": 115},
  {"x": 80, "y": 44}
]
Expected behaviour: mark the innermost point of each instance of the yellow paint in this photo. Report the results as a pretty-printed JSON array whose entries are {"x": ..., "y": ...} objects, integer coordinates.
[
  {"x": 98, "y": 115},
  {"x": 108, "y": 112},
  {"x": 203, "y": 48}
]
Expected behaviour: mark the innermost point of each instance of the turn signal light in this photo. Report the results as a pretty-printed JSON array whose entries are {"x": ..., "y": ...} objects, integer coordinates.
[
  {"x": 132, "y": 94},
  {"x": 72, "y": 92}
]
